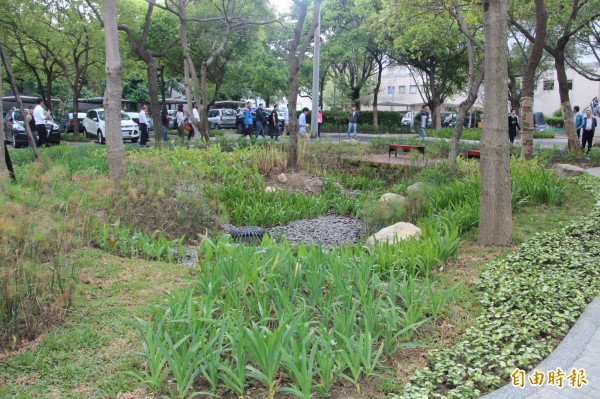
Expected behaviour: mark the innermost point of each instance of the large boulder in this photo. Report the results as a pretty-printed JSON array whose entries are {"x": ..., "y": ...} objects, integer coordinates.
[
  {"x": 399, "y": 231},
  {"x": 282, "y": 178},
  {"x": 566, "y": 170},
  {"x": 391, "y": 197},
  {"x": 314, "y": 185}
]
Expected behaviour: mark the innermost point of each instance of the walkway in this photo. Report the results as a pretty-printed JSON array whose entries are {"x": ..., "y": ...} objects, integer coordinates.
[{"x": 580, "y": 350}]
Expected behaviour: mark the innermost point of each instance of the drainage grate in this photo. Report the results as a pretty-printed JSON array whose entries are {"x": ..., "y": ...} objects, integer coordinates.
[{"x": 247, "y": 235}]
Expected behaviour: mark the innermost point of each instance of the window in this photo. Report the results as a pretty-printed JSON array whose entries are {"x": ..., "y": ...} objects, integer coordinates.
[
  {"x": 570, "y": 84},
  {"x": 413, "y": 89},
  {"x": 402, "y": 89},
  {"x": 548, "y": 85},
  {"x": 390, "y": 89}
]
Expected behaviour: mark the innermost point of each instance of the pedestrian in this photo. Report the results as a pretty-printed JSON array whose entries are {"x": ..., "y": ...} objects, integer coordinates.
[
  {"x": 248, "y": 119},
  {"x": 274, "y": 122},
  {"x": 29, "y": 118},
  {"x": 589, "y": 126},
  {"x": 319, "y": 122},
  {"x": 196, "y": 118},
  {"x": 421, "y": 121},
  {"x": 143, "y": 122},
  {"x": 302, "y": 125},
  {"x": 164, "y": 119},
  {"x": 180, "y": 120},
  {"x": 353, "y": 123},
  {"x": 594, "y": 106},
  {"x": 578, "y": 120},
  {"x": 39, "y": 116},
  {"x": 261, "y": 121},
  {"x": 513, "y": 125}
]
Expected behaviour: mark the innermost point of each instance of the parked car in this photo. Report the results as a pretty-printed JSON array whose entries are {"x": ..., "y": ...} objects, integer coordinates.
[
  {"x": 94, "y": 125},
  {"x": 239, "y": 122},
  {"x": 407, "y": 119},
  {"x": 66, "y": 123},
  {"x": 222, "y": 117},
  {"x": 448, "y": 119},
  {"x": 135, "y": 116},
  {"x": 15, "y": 133},
  {"x": 539, "y": 121},
  {"x": 172, "y": 114}
]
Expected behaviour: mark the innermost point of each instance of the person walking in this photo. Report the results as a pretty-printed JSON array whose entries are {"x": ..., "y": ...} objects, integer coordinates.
[
  {"x": 164, "y": 119},
  {"x": 248, "y": 119},
  {"x": 353, "y": 122},
  {"x": 261, "y": 121},
  {"x": 180, "y": 120},
  {"x": 143, "y": 122},
  {"x": 421, "y": 121},
  {"x": 274, "y": 122},
  {"x": 302, "y": 125},
  {"x": 513, "y": 125},
  {"x": 578, "y": 120},
  {"x": 589, "y": 126},
  {"x": 319, "y": 122},
  {"x": 39, "y": 116},
  {"x": 594, "y": 106}
]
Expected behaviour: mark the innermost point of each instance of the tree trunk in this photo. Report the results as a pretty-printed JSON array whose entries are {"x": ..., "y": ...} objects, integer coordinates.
[
  {"x": 356, "y": 97},
  {"x": 204, "y": 109},
  {"x": 76, "y": 109},
  {"x": 293, "y": 115},
  {"x": 154, "y": 103},
  {"x": 376, "y": 92},
  {"x": 537, "y": 51},
  {"x": 3, "y": 158},
  {"x": 114, "y": 139},
  {"x": 565, "y": 103},
  {"x": 13, "y": 85},
  {"x": 495, "y": 213},
  {"x": 463, "y": 108}
]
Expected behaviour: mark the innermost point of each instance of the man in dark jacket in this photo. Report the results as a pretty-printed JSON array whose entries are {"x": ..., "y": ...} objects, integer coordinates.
[
  {"x": 513, "y": 125},
  {"x": 589, "y": 126},
  {"x": 353, "y": 123},
  {"x": 274, "y": 122},
  {"x": 261, "y": 121}
]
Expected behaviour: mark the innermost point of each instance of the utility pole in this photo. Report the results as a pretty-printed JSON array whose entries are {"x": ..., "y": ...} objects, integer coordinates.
[{"x": 315, "y": 83}]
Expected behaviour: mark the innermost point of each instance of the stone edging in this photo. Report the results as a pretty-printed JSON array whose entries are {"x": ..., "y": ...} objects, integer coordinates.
[{"x": 565, "y": 354}]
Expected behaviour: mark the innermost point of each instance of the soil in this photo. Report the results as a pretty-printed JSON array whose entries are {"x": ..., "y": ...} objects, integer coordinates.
[{"x": 296, "y": 181}]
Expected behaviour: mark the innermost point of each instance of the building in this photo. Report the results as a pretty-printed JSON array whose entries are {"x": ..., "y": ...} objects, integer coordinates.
[{"x": 546, "y": 98}]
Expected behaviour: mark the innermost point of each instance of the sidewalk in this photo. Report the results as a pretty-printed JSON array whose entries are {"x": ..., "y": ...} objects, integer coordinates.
[{"x": 580, "y": 349}]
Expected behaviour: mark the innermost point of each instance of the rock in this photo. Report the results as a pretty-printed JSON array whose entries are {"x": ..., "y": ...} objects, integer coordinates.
[
  {"x": 270, "y": 189},
  {"x": 314, "y": 185},
  {"x": 351, "y": 141},
  {"x": 415, "y": 187},
  {"x": 566, "y": 170},
  {"x": 399, "y": 231},
  {"x": 391, "y": 197},
  {"x": 282, "y": 178}
]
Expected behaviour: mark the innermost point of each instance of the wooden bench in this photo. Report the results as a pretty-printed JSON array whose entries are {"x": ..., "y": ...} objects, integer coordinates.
[
  {"x": 405, "y": 148},
  {"x": 473, "y": 154}
]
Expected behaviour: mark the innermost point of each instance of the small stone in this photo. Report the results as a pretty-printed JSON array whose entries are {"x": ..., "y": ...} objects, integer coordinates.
[
  {"x": 566, "y": 170},
  {"x": 282, "y": 178},
  {"x": 415, "y": 187},
  {"x": 314, "y": 185},
  {"x": 351, "y": 141},
  {"x": 391, "y": 197},
  {"x": 396, "y": 232}
]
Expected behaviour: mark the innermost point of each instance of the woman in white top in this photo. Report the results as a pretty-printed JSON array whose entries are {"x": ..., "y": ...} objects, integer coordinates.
[{"x": 180, "y": 118}]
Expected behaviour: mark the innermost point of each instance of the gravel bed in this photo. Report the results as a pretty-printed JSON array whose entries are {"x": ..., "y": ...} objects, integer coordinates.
[{"x": 328, "y": 231}]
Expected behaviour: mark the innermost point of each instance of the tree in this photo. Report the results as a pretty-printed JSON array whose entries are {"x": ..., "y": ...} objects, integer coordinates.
[
  {"x": 476, "y": 74},
  {"x": 495, "y": 213},
  {"x": 112, "y": 99},
  {"x": 297, "y": 52},
  {"x": 567, "y": 20},
  {"x": 3, "y": 152}
]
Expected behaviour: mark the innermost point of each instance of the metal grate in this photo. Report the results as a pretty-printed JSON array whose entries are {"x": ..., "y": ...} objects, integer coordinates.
[{"x": 248, "y": 234}]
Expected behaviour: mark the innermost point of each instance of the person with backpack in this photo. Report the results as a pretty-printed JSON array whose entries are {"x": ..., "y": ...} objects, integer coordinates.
[
  {"x": 594, "y": 106},
  {"x": 578, "y": 120},
  {"x": 261, "y": 122},
  {"x": 248, "y": 119},
  {"x": 274, "y": 122}
]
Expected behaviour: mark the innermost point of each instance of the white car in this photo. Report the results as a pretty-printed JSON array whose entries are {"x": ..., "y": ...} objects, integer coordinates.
[{"x": 93, "y": 125}]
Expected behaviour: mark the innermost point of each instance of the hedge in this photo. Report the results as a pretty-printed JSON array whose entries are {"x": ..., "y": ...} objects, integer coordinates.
[
  {"x": 386, "y": 118},
  {"x": 555, "y": 121}
]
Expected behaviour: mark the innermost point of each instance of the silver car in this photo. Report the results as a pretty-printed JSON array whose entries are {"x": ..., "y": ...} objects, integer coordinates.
[{"x": 218, "y": 118}]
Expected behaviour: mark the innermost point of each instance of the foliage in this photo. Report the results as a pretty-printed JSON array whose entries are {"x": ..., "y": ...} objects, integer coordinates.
[
  {"x": 556, "y": 121},
  {"x": 529, "y": 300}
]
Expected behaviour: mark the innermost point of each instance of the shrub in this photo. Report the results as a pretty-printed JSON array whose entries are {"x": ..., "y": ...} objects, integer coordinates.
[{"x": 556, "y": 121}]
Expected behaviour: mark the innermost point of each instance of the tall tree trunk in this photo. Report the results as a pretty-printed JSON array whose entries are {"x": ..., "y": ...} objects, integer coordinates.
[
  {"x": 537, "y": 51},
  {"x": 495, "y": 213},
  {"x": 565, "y": 103},
  {"x": 205, "y": 104},
  {"x": 13, "y": 85},
  {"x": 293, "y": 115},
  {"x": 154, "y": 103},
  {"x": 376, "y": 92},
  {"x": 3, "y": 153},
  {"x": 436, "y": 101},
  {"x": 114, "y": 139},
  {"x": 76, "y": 93}
]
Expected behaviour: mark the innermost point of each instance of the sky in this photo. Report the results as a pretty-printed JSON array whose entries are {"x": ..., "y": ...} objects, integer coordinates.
[{"x": 281, "y": 6}]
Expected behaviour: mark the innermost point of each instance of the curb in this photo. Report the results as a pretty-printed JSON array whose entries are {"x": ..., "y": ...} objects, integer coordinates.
[{"x": 564, "y": 356}]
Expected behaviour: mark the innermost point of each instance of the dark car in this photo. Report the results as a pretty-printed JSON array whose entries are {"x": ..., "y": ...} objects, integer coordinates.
[
  {"x": 15, "y": 134},
  {"x": 66, "y": 123},
  {"x": 539, "y": 121},
  {"x": 239, "y": 121}
]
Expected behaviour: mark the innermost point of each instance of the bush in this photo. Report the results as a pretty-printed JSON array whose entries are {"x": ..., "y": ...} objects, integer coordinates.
[
  {"x": 386, "y": 118},
  {"x": 556, "y": 121},
  {"x": 365, "y": 128}
]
